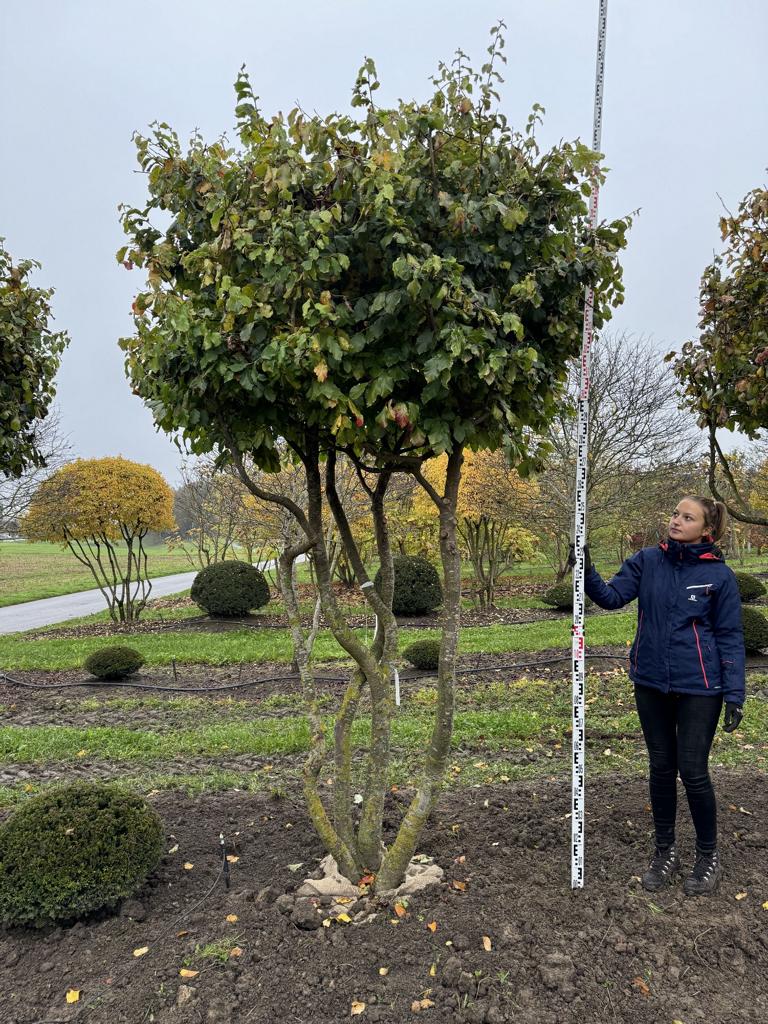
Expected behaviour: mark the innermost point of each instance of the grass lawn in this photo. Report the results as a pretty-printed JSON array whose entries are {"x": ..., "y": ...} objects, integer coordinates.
[
  {"x": 503, "y": 731},
  {"x": 29, "y": 571},
  {"x": 274, "y": 645}
]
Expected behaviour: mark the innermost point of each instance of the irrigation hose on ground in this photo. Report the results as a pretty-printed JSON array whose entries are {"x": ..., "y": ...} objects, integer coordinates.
[{"x": 288, "y": 677}]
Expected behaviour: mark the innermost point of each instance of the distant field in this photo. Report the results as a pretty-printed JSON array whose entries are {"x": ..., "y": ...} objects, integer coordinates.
[{"x": 31, "y": 571}]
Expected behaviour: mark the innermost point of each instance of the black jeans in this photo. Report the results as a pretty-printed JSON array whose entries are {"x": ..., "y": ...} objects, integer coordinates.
[{"x": 678, "y": 730}]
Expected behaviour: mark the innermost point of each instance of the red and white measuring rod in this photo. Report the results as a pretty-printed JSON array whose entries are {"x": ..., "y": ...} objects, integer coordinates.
[{"x": 580, "y": 521}]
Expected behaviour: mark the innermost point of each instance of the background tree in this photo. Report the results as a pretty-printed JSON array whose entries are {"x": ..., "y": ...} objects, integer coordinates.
[
  {"x": 723, "y": 372},
  {"x": 639, "y": 441},
  {"x": 215, "y": 515},
  {"x": 390, "y": 288},
  {"x": 92, "y": 505},
  {"x": 493, "y": 504},
  {"x": 16, "y": 491},
  {"x": 30, "y": 353}
]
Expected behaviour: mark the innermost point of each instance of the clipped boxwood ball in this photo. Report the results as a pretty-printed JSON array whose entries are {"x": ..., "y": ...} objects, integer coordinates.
[
  {"x": 113, "y": 662},
  {"x": 561, "y": 597},
  {"x": 423, "y": 654},
  {"x": 74, "y": 850},
  {"x": 417, "y": 586},
  {"x": 750, "y": 587},
  {"x": 755, "y": 630},
  {"x": 230, "y": 589}
]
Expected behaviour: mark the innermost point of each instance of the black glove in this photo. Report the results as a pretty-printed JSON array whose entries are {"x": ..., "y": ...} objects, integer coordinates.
[
  {"x": 571, "y": 562},
  {"x": 733, "y": 716}
]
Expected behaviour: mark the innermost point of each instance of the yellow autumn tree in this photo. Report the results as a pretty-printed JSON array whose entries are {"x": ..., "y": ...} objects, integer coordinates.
[
  {"x": 102, "y": 510},
  {"x": 494, "y": 503}
]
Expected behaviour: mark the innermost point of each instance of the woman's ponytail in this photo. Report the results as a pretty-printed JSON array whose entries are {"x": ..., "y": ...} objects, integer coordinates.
[{"x": 715, "y": 515}]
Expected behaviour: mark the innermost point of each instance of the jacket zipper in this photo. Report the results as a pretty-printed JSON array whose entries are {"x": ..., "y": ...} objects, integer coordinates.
[
  {"x": 637, "y": 638},
  {"x": 701, "y": 660}
]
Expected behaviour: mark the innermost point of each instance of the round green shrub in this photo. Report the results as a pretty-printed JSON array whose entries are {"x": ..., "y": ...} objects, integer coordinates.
[
  {"x": 560, "y": 596},
  {"x": 755, "y": 630},
  {"x": 423, "y": 654},
  {"x": 417, "y": 586},
  {"x": 750, "y": 587},
  {"x": 113, "y": 662},
  {"x": 230, "y": 589},
  {"x": 74, "y": 850}
]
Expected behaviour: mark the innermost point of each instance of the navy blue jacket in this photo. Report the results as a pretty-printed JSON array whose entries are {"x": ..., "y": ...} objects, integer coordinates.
[{"x": 689, "y": 636}]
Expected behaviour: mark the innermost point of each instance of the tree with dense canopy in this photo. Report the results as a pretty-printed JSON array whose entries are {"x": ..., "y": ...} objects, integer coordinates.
[
  {"x": 30, "y": 353},
  {"x": 393, "y": 287},
  {"x": 92, "y": 505},
  {"x": 724, "y": 371}
]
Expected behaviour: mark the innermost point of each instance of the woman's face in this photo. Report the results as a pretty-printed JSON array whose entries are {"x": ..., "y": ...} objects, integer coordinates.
[{"x": 686, "y": 523}]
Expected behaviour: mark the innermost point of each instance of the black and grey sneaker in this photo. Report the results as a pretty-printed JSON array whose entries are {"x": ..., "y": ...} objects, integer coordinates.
[
  {"x": 706, "y": 875},
  {"x": 665, "y": 864}
]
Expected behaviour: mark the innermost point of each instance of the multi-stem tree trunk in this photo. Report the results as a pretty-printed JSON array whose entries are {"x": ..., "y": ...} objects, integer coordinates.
[{"x": 358, "y": 847}]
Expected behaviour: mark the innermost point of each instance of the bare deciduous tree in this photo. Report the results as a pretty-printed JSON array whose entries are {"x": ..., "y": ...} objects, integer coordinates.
[{"x": 641, "y": 444}]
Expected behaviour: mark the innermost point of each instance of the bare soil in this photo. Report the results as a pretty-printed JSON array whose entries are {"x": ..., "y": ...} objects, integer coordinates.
[{"x": 502, "y": 939}]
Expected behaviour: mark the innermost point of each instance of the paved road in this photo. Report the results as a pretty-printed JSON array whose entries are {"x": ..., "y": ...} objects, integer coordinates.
[{"x": 49, "y": 610}]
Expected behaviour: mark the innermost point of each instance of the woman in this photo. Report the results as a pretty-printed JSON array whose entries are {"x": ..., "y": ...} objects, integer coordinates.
[{"x": 686, "y": 661}]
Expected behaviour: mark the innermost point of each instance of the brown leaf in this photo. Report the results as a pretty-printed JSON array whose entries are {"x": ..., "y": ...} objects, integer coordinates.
[
  {"x": 487, "y": 944},
  {"x": 642, "y": 986},
  {"x": 432, "y": 926},
  {"x": 232, "y": 858},
  {"x": 400, "y": 910},
  {"x": 461, "y": 886},
  {"x": 421, "y": 1004},
  {"x": 235, "y": 951}
]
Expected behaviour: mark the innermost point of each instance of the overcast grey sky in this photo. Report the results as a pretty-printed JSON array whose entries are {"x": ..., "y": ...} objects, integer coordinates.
[{"x": 685, "y": 119}]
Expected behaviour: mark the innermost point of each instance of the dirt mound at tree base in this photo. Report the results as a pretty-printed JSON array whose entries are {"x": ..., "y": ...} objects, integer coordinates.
[{"x": 608, "y": 953}]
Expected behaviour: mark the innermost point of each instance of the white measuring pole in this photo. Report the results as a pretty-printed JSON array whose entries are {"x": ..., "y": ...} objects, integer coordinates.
[{"x": 580, "y": 521}]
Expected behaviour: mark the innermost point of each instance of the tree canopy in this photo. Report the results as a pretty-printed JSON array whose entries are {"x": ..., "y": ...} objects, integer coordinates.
[
  {"x": 723, "y": 372},
  {"x": 92, "y": 504},
  {"x": 416, "y": 274},
  {"x": 30, "y": 353}
]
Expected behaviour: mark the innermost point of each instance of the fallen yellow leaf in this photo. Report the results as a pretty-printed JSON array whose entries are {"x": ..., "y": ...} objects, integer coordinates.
[
  {"x": 487, "y": 943},
  {"x": 232, "y": 858},
  {"x": 186, "y": 973},
  {"x": 232, "y": 918},
  {"x": 741, "y": 896},
  {"x": 461, "y": 886},
  {"x": 343, "y": 917},
  {"x": 73, "y": 995},
  {"x": 432, "y": 926},
  {"x": 357, "y": 1009},
  {"x": 235, "y": 951},
  {"x": 433, "y": 971},
  {"x": 188, "y": 865},
  {"x": 383, "y": 971},
  {"x": 765, "y": 905},
  {"x": 180, "y": 935},
  {"x": 81, "y": 753},
  {"x": 421, "y": 1004},
  {"x": 141, "y": 951},
  {"x": 174, "y": 849}
]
